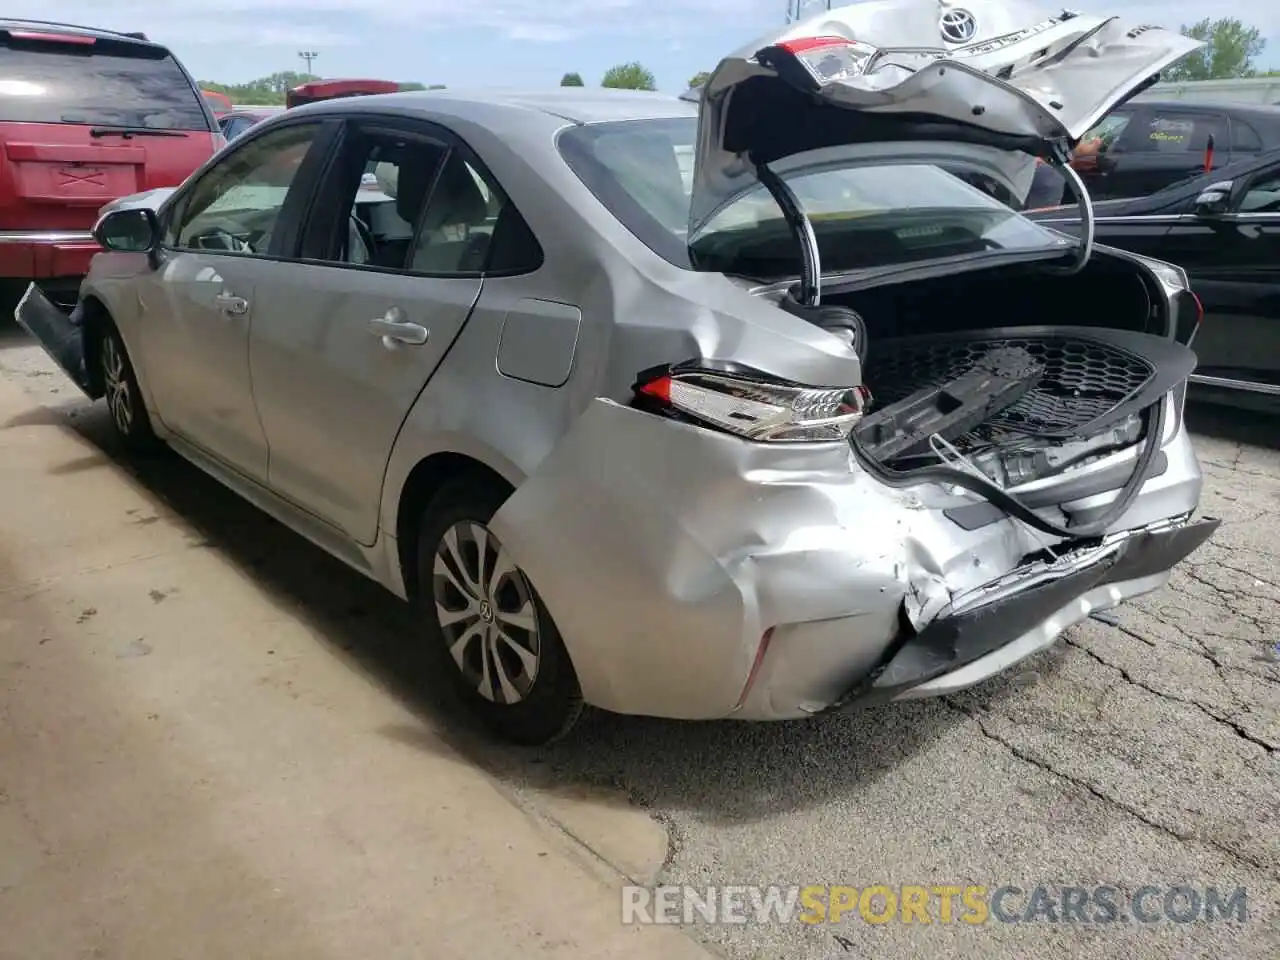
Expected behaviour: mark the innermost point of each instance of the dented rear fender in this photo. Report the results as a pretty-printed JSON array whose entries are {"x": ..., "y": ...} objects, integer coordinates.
[{"x": 664, "y": 552}]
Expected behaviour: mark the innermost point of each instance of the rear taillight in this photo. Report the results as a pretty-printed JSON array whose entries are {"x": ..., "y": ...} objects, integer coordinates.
[
  {"x": 751, "y": 404},
  {"x": 40, "y": 36},
  {"x": 815, "y": 62},
  {"x": 806, "y": 44}
]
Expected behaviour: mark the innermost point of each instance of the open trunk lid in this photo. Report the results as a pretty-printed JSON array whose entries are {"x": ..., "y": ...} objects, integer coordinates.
[
  {"x": 1004, "y": 73},
  {"x": 87, "y": 117}
]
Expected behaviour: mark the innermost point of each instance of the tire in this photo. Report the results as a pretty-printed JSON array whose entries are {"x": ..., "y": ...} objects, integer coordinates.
[
  {"x": 487, "y": 626},
  {"x": 125, "y": 407}
]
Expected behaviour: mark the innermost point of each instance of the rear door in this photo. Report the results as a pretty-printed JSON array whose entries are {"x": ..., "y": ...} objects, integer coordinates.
[
  {"x": 1159, "y": 147},
  {"x": 344, "y": 339},
  {"x": 84, "y": 120}
]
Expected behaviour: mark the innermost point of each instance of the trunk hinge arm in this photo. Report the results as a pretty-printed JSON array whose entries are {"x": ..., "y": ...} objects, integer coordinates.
[
  {"x": 801, "y": 230},
  {"x": 1060, "y": 157}
]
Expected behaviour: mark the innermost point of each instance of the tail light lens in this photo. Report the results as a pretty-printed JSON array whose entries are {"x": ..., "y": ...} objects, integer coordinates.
[{"x": 751, "y": 404}]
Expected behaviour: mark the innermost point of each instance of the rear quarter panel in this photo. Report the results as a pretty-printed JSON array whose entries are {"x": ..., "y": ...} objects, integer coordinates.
[{"x": 637, "y": 310}]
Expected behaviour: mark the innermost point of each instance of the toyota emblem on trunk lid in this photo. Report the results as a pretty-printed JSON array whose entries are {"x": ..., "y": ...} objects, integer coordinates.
[{"x": 957, "y": 26}]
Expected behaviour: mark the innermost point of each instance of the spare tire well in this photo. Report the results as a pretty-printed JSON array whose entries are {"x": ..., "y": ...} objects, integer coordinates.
[{"x": 424, "y": 481}]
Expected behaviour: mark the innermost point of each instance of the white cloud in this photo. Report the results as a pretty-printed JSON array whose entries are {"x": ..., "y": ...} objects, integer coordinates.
[
  {"x": 262, "y": 21},
  {"x": 292, "y": 22}
]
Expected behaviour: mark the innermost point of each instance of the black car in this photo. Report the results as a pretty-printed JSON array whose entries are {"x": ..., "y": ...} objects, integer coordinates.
[
  {"x": 1145, "y": 146},
  {"x": 1223, "y": 228}
]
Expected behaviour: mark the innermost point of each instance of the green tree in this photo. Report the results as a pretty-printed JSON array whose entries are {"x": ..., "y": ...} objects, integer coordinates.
[
  {"x": 572, "y": 80},
  {"x": 629, "y": 76},
  {"x": 1229, "y": 51},
  {"x": 268, "y": 90},
  {"x": 412, "y": 85},
  {"x": 699, "y": 78}
]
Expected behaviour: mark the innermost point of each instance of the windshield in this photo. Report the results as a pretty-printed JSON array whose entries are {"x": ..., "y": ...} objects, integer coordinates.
[{"x": 868, "y": 211}]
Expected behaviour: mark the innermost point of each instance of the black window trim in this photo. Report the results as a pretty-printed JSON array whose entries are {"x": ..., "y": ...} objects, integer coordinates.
[
  {"x": 300, "y": 197},
  {"x": 424, "y": 130}
]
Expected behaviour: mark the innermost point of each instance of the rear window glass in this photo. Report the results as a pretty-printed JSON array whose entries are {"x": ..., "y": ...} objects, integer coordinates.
[{"x": 103, "y": 85}]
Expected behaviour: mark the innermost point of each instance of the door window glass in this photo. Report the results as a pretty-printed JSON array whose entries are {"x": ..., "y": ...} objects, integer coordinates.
[
  {"x": 1263, "y": 195},
  {"x": 1244, "y": 139},
  {"x": 471, "y": 226},
  {"x": 383, "y": 180},
  {"x": 235, "y": 206},
  {"x": 1104, "y": 134},
  {"x": 1178, "y": 133}
]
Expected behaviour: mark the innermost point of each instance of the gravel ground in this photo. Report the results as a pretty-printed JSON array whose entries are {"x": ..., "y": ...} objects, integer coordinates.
[{"x": 1140, "y": 754}]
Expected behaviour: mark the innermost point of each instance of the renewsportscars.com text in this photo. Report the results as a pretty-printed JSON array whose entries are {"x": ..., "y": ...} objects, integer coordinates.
[{"x": 933, "y": 903}]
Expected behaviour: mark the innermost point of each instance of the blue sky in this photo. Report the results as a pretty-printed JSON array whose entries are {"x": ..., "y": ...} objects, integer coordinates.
[{"x": 501, "y": 42}]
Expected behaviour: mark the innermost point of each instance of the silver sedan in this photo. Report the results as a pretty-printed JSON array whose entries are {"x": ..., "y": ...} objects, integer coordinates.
[{"x": 755, "y": 407}]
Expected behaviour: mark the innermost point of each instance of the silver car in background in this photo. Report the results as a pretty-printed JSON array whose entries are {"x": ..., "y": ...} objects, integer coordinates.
[{"x": 816, "y": 421}]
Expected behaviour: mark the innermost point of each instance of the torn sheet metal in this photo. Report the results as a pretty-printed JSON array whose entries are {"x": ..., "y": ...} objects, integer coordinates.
[{"x": 1004, "y": 68}]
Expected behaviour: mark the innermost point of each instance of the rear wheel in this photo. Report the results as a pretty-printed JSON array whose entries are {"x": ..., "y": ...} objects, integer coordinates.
[
  {"x": 487, "y": 625},
  {"x": 124, "y": 398}
]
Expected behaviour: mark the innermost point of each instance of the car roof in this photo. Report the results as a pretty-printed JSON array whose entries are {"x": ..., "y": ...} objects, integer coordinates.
[
  {"x": 1260, "y": 110},
  {"x": 74, "y": 29},
  {"x": 578, "y": 105}
]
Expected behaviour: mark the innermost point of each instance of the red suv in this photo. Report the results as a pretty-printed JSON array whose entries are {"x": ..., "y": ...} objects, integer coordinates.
[{"x": 86, "y": 116}]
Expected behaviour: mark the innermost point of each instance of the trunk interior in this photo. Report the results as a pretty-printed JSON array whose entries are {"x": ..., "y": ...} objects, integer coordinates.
[{"x": 1017, "y": 373}]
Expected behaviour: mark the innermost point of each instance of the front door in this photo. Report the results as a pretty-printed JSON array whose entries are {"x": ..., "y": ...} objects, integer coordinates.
[
  {"x": 1233, "y": 261},
  {"x": 221, "y": 236},
  {"x": 344, "y": 341}
]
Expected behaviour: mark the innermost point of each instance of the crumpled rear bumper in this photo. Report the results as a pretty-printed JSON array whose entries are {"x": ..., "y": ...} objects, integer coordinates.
[
  {"x": 696, "y": 576},
  {"x": 1025, "y": 612}
]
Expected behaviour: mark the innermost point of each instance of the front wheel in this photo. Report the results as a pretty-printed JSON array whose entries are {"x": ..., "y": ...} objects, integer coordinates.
[
  {"x": 123, "y": 396},
  {"x": 487, "y": 626}
]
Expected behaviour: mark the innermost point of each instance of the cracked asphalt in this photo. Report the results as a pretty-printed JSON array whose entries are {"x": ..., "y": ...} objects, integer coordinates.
[{"x": 1130, "y": 755}]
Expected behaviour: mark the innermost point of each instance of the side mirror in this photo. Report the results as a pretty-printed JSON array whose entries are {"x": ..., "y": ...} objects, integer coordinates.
[
  {"x": 128, "y": 231},
  {"x": 1214, "y": 200}
]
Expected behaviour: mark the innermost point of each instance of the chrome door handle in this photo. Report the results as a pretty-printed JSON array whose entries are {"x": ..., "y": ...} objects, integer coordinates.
[
  {"x": 393, "y": 328},
  {"x": 232, "y": 305}
]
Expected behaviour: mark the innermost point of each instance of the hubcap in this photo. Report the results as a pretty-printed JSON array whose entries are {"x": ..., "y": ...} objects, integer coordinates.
[
  {"x": 486, "y": 612},
  {"x": 116, "y": 385}
]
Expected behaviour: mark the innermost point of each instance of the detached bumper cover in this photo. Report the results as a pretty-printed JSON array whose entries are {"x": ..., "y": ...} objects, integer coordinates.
[
  {"x": 952, "y": 642},
  {"x": 59, "y": 333}
]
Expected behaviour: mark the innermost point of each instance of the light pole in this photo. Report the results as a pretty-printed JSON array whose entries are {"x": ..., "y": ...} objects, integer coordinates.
[{"x": 307, "y": 56}]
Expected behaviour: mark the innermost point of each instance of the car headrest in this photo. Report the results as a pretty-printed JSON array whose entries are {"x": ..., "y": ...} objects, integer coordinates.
[
  {"x": 413, "y": 180},
  {"x": 457, "y": 198}
]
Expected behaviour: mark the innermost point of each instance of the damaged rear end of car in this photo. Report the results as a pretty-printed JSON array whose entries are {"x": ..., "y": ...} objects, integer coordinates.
[{"x": 996, "y": 450}]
